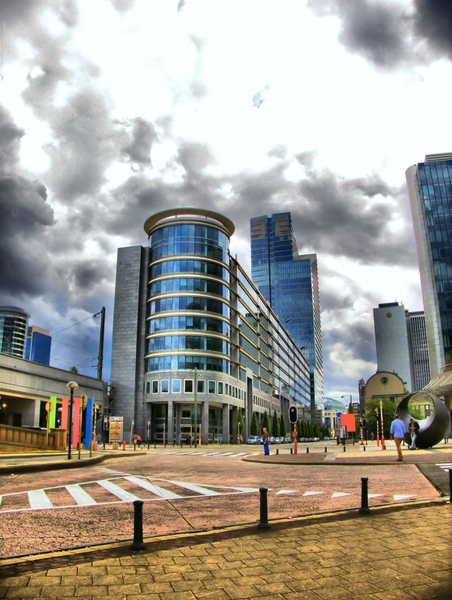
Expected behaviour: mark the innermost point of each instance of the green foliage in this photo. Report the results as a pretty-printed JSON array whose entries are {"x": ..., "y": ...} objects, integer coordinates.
[
  {"x": 275, "y": 425},
  {"x": 266, "y": 422},
  {"x": 316, "y": 431},
  {"x": 73, "y": 370},
  {"x": 254, "y": 427},
  {"x": 389, "y": 408},
  {"x": 350, "y": 409},
  {"x": 282, "y": 427},
  {"x": 240, "y": 423}
]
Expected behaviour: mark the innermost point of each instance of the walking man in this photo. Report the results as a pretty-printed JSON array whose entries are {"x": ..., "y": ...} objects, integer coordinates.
[
  {"x": 397, "y": 432},
  {"x": 266, "y": 441}
]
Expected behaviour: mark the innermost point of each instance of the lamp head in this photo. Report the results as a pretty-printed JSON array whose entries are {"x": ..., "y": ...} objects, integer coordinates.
[{"x": 72, "y": 385}]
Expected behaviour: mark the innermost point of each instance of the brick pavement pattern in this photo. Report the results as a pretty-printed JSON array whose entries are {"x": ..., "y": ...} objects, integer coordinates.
[{"x": 394, "y": 553}]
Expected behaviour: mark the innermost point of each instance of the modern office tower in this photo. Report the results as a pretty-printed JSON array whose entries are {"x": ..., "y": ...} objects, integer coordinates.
[
  {"x": 38, "y": 345},
  {"x": 417, "y": 339},
  {"x": 13, "y": 326},
  {"x": 196, "y": 348},
  {"x": 391, "y": 338},
  {"x": 289, "y": 282},
  {"x": 401, "y": 343},
  {"x": 430, "y": 192}
]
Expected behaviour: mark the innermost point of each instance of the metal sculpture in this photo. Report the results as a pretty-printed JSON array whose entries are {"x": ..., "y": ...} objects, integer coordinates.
[{"x": 432, "y": 428}]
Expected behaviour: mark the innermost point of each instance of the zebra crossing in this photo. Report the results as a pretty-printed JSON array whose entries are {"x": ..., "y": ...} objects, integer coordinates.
[
  {"x": 209, "y": 454},
  {"x": 120, "y": 488},
  {"x": 444, "y": 466}
]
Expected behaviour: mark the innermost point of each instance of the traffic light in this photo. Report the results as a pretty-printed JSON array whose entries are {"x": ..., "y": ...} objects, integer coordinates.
[{"x": 293, "y": 417}]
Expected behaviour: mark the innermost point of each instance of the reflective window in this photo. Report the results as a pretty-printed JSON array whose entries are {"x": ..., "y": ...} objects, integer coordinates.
[
  {"x": 211, "y": 387},
  {"x": 188, "y": 303},
  {"x": 164, "y": 386},
  {"x": 188, "y": 322},
  {"x": 175, "y": 386}
]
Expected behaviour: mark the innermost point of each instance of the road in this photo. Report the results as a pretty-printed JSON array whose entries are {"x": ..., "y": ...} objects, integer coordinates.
[{"x": 182, "y": 490}]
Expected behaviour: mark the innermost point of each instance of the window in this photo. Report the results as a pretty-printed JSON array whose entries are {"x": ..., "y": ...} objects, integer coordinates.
[
  {"x": 188, "y": 386},
  {"x": 211, "y": 387},
  {"x": 155, "y": 387},
  {"x": 201, "y": 386},
  {"x": 220, "y": 387},
  {"x": 148, "y": 387},
  {"x": 175, "y": 386},
  {"x": 165, "y": 386}
]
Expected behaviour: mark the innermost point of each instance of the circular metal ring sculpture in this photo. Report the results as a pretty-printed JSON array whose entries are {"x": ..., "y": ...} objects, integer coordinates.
[{"x": 433, "y": 428}]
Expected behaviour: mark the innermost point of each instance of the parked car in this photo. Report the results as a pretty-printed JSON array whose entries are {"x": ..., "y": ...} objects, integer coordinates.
[{"x": 253, "y": 439}]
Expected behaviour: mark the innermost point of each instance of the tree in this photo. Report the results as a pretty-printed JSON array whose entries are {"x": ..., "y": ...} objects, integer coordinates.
[
  {"x": 275, "y": 425},
  {"x": 282, "y": 426},
  {"x": 254, "y": 427},
  {"x": 266, "y": 422},
  {"x": 389, "y": 408},
  {"x": 351, "y": 410},
  {"x": 73, "y": 370}
]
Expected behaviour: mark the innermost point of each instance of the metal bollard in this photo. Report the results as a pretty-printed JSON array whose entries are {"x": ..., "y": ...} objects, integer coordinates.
[
  {"x": 326, "y": 450},
  {"x": 277, "y": 450},
  {"x": 345, "y": 449},
  {"x": 263, "y": 522},
  {"x": 364, "y": 510},
  {"x": 364, "y": 448},
  {"x": 291, "y": 450},
  {"x": 138, "y": 526},
  {"x": 307, "y": 449}
]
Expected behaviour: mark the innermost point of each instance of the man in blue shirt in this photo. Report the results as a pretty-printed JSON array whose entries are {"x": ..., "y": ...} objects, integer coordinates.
[{"x": 397, "y": 432}]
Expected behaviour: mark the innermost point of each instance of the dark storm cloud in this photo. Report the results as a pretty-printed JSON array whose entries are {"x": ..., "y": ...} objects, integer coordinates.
[
  {"x": 389, "y": 35},
  {"x": 358, "y": 336},
  {"x": 278, "y": 152},
  {"x": 123, "y": 5},
  {"x": 142, "y": 138},
  {"x": 306, "y": 158}
]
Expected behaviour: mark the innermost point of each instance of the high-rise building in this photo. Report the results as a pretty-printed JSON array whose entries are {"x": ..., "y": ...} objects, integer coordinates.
[
  {"x": 38, "y": 345},
  {"x": 401, "y": 344},
  {"x": 430, "y": 193},
  {"x": 417, "y": 339},
  {"x": 391, "y": 339},
  {"x": 196, "y": 348},
  {"x": 289, "y": 282},
  {"x": 13, "y": 327}
]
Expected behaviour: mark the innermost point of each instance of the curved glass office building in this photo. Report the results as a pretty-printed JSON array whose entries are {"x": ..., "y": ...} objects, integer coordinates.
[{"x": 196, "y": 348}]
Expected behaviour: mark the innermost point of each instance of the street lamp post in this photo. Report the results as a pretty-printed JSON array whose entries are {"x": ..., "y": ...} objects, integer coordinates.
[{"x": 71, "y": 385}]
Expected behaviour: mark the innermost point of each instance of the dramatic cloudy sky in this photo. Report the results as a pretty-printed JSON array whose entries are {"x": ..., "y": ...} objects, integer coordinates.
[{"x": 116, "y": 109}]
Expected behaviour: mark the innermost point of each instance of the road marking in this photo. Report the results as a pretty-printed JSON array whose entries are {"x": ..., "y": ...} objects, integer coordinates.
[
  {"x": 312, "y": 493},
  {"x": 199, "y": 489},
  {"x": 118, "y": 491},
  {"x": 80, "y": 496},
  {"x": 155, "y": 489},
  {"x": 398, "y": 497},
  {"x": 444, "y": 466},
  {"x": 339, "y": 494},
  {"x": 39, "y": 499},
  {"x": 286, "y": 492},
  {"x": 375, "y": 495}
]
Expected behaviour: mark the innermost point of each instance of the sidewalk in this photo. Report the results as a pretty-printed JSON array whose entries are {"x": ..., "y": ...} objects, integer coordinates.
[{"x": 401, "y": 552}]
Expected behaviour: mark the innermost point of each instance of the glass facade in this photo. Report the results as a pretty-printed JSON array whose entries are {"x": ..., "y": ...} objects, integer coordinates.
[
  {"x": 206, "y": 351},
  {"x": 430, "y": 191},
  {"x": 13, "y": 327},
  {"x": 289, "y": 282},
  {"x": 38, "y": 345}
]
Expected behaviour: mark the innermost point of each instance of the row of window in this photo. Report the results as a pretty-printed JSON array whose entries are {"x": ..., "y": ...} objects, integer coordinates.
[
  {"x": 179, "y": 303},
  {"x": 184, "y": 323},
  {"x": 177, "y": 363},
  {"x": 188, "y": 342},
  {"x": 188, "y": 284},
  {"x": 190, "y": 231},
  {"x": 187, "y": 386},
  {"x": 178, "y": 247},
  {"x": 204, "y": 267}
]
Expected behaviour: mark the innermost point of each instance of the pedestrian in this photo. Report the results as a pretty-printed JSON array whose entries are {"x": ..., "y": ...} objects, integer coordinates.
[
  {"x": 266, "y": 441},
  {"x": 220, "y": 439},
  {"x": 397, "y": 432},
  {"x": 414, "y": 430}
]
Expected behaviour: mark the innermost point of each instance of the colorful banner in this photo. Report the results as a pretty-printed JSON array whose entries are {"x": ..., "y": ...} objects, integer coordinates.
[{"x": 88, "y": 422}]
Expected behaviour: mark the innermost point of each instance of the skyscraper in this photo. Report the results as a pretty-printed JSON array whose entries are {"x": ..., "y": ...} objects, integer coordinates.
[
  {"x": 13, "y": 326},
  {"x": 289, "y": 282},
  {"x": 401, "y": 344},
  {"x": 196, "y": 348},
  {"x": 38, "y": 345},
  {"x": 430, "y": 193}
]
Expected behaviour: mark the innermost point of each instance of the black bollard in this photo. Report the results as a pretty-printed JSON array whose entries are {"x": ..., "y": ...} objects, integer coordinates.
[
  {"x": 148, "y": 444},
  {"x": 277, "y": 450},
  {"x": 364, "y": 448},
  {"x": 291, "y": 450},
  {"x": 138, "y": 526},
  {"x": 307, "y": 449},
  {"x": 326, "y": 450},
  {"x": 345, "y": 448},
  {"x": 364, "y": 510},
  {"x": 263, "y": 522},
  {"x": 450, "y": 483}
]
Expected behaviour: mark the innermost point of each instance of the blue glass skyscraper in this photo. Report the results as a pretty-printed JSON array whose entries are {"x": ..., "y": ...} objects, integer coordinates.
[
  {"x": 38, "y": 345},
  {"x": 289, "y": 282},
  {"x": 430, "y": 192}
]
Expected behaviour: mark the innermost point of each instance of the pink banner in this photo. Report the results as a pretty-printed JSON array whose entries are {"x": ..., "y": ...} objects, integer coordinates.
[{"x": 76, "y": 422}]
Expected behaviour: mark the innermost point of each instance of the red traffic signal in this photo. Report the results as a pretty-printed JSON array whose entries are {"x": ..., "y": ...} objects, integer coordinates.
[{"x": 293, "y": 417}]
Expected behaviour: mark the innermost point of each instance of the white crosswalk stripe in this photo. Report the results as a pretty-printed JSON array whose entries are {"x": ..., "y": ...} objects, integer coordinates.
[
  {"x": 117, "y": 491},
  {"x": 80, "y": 495},
  {"x": 39, "y": 499},
  {"x": 444, "y": 466}
]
